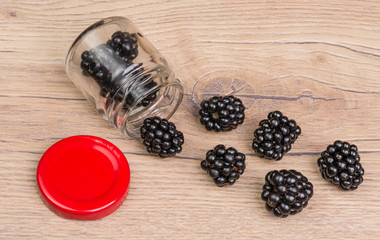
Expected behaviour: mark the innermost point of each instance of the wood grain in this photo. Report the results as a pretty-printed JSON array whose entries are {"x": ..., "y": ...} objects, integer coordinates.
[{"x": 317, "y": 61}]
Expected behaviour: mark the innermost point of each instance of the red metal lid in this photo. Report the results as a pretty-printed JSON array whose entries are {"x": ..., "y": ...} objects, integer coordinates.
[{"x": 83, "y": 178}]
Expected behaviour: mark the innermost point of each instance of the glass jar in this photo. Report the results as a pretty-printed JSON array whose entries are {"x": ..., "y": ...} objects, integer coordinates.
[{"x": 122, "y": 74}]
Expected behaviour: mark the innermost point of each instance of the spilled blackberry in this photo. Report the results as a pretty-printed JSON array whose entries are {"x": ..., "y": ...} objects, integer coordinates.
[
  {"x": 275, "y": 136},
  {"x": 286, "y": 192},
  {"x": 161, "y": 137},
  {"x": 224, "y": 165},
  {"x": 340, "y": 164},
  {"x": 125, "y": 45},
  {"x": 222, "y": 113}
]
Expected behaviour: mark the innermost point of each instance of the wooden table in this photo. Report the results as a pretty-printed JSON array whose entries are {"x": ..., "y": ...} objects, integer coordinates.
[{"x": 317, "y": 61}]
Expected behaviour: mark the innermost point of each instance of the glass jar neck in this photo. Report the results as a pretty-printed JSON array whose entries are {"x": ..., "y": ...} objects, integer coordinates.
[{"x": 143, "y": 92}]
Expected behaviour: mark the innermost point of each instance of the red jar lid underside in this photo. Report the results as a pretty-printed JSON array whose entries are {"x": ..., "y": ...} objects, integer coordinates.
[{"x": 83, "y": 178}]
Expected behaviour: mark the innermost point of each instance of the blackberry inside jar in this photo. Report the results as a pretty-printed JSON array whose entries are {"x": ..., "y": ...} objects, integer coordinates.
[{"x": 122, "y": 74}]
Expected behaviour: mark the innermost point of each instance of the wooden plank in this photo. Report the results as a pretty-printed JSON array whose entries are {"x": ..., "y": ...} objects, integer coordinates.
[{"x": 317, "y": 61}]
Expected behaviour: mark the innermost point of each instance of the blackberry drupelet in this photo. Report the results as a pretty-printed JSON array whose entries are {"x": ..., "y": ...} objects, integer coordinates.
[
  {"x": 275, "y": 136},
  {"x": 286, "y": 192},
  {"x": 340, "y": 164},
  {"x": 161, "y": 137},
  {"x": 222, "y": 113},
  {"x": 125, "y": 45},
  {"x": 224, "y": 165}
]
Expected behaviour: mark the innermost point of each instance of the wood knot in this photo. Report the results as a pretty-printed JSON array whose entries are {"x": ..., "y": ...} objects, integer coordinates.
[{"x": 321, "y": 58}]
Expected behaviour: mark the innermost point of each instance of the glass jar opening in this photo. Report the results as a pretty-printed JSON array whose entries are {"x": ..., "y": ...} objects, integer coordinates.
[{"x": 164, "y": 106}]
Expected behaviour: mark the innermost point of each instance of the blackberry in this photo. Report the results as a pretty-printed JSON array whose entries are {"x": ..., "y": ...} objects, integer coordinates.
[
  {"x": 224, "y": 165},
  {"x": 286, "y": 192},
  {"x": 125, "y": 45},
  {"x": 275, "y": 136},
  {"x": 222, "y": 113},
  {"x": 91, "y": 65},
  {"x": 340, "y": 164},
  {"x": 161, "y": 137}
]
